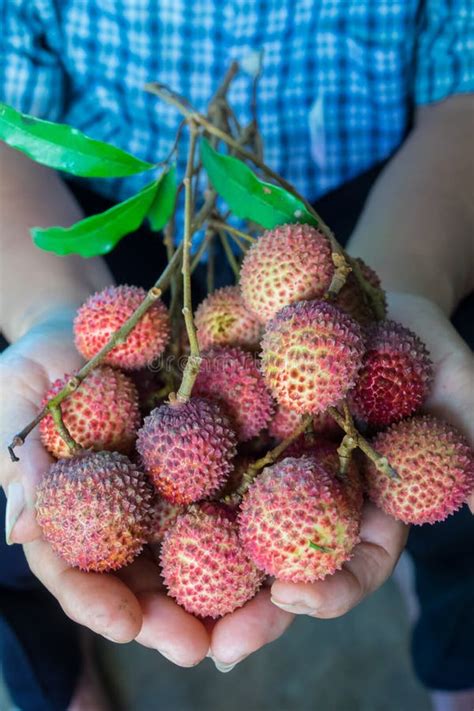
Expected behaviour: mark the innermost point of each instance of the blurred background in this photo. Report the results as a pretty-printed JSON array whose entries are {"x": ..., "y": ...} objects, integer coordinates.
[{"x": 359, "y": 662}]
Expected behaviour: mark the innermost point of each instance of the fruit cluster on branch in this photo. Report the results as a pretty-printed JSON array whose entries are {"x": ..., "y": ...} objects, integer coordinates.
[{"x": 298, "y": 399}]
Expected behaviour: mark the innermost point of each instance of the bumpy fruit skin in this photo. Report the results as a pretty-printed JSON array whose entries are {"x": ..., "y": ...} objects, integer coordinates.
[
  {"x": 204, "y": 565},
  {"x": 101, "y": 414},
  {"x": 104, "y": 312},
  {"x": 187, "y": 448},
  {"x": 311, "y": 354},
  {"x": 351, "y": 298},
  {"x": 286, "y": 421},
  {"x": 223, "y": 319},
  {"x": 231, "y": 376},
  {"x": 287, "y": 264},
  {"x": 163, "y": 516},
  {"x": 94, "y": 510},
  {"x": 296, "y": 521},
  {"x": 435, "y": 466},
  {"x": 395, "y": 378}
]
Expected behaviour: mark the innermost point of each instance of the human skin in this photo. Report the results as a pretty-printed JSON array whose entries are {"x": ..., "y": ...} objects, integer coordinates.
[{"x": 416, "y": 231}]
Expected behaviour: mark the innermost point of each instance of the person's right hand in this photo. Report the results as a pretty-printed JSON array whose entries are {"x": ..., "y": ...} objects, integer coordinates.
[{"x": 125, "y": 606}]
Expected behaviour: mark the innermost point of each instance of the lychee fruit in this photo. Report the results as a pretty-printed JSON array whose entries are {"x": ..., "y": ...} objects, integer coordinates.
[
  {"x": 311, "y": 355},
  {"x": 204, "y": 565},
  {"x": 163, "y": 515},
  {"x": 101, "y": 414},
  {"x": 187, "y": 448},
  {"x": 223, "y": 319},
  {"x": 286, "y": 421},
  {"x": 104, "y": 312},
  {"x": 287, "y": 264},
  {"x": 435, "y": 467},
  {"x": 395, "y": 377},
  {"x": 231, "y": 376},
  {"x": 352, "y": 299},
  {"x": 296, "y": 521},
  {"x": 94, "y": 510}
]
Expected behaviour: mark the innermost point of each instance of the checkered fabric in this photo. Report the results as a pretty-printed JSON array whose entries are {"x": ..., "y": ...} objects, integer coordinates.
[{"x": 340, "y": 77}]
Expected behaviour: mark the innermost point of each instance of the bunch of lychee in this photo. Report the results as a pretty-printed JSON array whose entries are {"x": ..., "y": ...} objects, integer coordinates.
[{"x": 186, "y": 479}]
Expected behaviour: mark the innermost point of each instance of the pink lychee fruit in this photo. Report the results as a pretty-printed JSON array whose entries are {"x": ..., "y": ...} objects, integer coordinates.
[
  {"x": 311, "y": 355},
  {"x": 105, "y": 312},
  {"x": 187, "y": 449},
  {"x": 287, "y": 264},
  {"x": 286, "y": 421},
  {"x": 354, "y": 301},
  {"x": 101, "y": 414},
  {"x": 94, "y": 510},
  {"x": 232, "y": 376},
  {"x": 223, "y": 319},
  {"x": 204, "y": 565},
  {"x": 395, "y": 377},
  {"x": 163, "y": 515},
  {"x": 435, "y": 466},
  {"x": 296, "y": 521}
]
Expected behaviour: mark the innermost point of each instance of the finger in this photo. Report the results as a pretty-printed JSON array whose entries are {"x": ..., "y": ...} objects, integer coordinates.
[
  {"x": 99, "y": 601},
  {"x": 173, "y": 632},
  {"x": 470, "y": 502},
  {"x": 247, "y": 629},
  {"x": 20, "y": 480},
  {"x": 382, "y": 541}
]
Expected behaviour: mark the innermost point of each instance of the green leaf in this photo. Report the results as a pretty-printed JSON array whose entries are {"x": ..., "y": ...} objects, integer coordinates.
[
  {"x": 163, "y": 204},
  {"x": 249, "y": 197},
  {"x": 100, "y": 233},
  {"x": 65, "y": 148}
]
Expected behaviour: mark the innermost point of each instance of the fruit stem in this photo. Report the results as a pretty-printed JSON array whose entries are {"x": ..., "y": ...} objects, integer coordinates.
[
  {"x": 62, "y": 430},
  {"x": 220, "y": 224},
  {"x": 272, "y": 455},
  {"x": 194, "y": 361},
  {"x": 380, "y": 462},
  {"x": 229, "y": 254}
]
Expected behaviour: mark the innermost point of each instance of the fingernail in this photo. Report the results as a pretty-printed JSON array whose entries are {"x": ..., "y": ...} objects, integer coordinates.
[
  {"x": 15, "y": 506},
  {"x": 296, "y": 608},
  {"x": 225, "y": 668},
  {"x": 111, "y": 639}
]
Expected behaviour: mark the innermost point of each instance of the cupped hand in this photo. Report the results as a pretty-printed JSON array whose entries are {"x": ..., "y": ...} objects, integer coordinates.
[
  {"x": 266, "y": 617},
  {"x": 124, "y": 606}
]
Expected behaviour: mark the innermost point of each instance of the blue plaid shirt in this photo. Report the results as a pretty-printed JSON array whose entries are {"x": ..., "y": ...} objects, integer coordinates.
[{"x": 339, "y": 80}]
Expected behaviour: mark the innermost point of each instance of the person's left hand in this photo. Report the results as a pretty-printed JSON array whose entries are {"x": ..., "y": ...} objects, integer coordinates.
[{"x": 268, "y": 615}]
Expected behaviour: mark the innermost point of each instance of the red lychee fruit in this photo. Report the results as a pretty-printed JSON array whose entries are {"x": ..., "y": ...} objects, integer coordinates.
[
  {"x": 223, "y": 319},
  {"x": 94, "y": 510},
  {"x": 352, "y": 299},
  {"x": 103, "y": 313},
  {"x": 101, "y": 414},
  {"x": 163, "y": 515},
  {"x": 286, "y": 264},
  {"x": 311, "y": 354},
  {"x": 231, "y": 376},
  {"x": 203, "y": 563},
  {"x": 435, "y": 467},
  {"x": 286, "y": 421},
  {"x": 395, "y": 378},
  {"x": 187, "y": 448},
  {"x": 296, "y": 521}
]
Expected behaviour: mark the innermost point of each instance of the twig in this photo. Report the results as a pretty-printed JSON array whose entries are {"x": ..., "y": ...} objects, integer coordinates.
[
  {"x": 220, "y": 224},
  {"x": 62, "y": 430},
  {"x": 382, "y": 463},
  {"x": 211, "y": 258},
  {"x": 194, "y": 360},
  {"x": 229, "y": 254},
  {"x": 271, "y": 456},
  {"x": 118, "y": 337}
]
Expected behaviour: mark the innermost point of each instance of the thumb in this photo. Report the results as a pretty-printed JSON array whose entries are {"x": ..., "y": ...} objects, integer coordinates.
[{"x": 19, "y": 481}]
